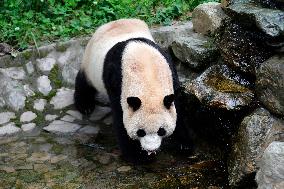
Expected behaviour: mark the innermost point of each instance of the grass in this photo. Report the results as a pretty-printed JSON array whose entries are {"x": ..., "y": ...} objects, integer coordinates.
[{"x": 27, "y": 23}]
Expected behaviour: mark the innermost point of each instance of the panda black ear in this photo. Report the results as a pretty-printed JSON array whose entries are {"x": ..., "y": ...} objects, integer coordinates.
[
  {"x": 168, "y": 100},
  {"x": 134, "y": 102}
]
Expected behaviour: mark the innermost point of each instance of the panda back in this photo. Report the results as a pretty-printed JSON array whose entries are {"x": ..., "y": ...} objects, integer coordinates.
[{"x": 103, "y": 40}]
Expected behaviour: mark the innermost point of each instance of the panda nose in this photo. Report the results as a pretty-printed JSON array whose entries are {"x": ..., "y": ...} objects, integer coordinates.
[
  {"x": 162, "y": 132},
  {"x": 141, "y": 133}
]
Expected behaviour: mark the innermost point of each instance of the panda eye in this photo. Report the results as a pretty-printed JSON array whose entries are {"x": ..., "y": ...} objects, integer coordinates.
[
  {"x": 134, "y": 102},
  {"x": 168, "y": 100}
]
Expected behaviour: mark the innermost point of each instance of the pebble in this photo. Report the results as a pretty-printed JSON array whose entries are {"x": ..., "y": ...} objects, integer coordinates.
[
  {"x": 9, "y": 129},
  {"x": 39, "y": 157},
  {"x": 43, "y": 85},
  {"x": 63, "y": 98},
  {"x": 30, "y": 67},
  {"x": 50, "y": 117},
  {"x": 28, "y": 127},
  {"x": 28, "y": 116},
  {"x": 62, "y": 127},
  {"x": 124, "y": 169},
  {"x": 40, "y": 104},
  {"x": 68, "y": 118},
  {"x": 45, "y": 64},
  {"x": 91, "y": 130},
  {"x": 5, "y": 117},
  {"x": 75, "y": 114}
]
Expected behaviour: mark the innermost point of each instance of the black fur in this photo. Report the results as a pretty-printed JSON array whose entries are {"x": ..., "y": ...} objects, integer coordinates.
[
  {"x": 168, "y": 100},
  {"x": 112, "y": 78},
  {"x": 134, "y": 102},
  {"x": 84, "y": 95}
]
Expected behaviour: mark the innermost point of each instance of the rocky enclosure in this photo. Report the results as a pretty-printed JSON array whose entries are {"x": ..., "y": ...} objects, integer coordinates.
[{"x": 231, "y": 64}]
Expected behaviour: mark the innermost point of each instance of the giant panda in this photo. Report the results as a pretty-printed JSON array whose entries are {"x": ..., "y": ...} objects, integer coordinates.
[{"x": 122, "y": 62}]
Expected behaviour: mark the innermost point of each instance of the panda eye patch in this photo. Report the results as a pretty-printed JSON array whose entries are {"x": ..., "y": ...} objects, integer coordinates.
[
  {"x": 168, "y": 100},
  {"x": 134, "y": 103}
]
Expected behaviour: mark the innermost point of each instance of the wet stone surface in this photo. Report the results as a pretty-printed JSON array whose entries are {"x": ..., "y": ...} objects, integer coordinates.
[{"x": 45, "y": 160}]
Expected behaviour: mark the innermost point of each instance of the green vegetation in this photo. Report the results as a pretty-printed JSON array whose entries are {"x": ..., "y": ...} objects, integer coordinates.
[{"x": 29, "y": 22}]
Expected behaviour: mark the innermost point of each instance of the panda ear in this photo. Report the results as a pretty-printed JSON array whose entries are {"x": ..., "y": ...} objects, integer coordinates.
[
  {"x": 168, "y": 100},
  {"x": 134, "y": 102}
]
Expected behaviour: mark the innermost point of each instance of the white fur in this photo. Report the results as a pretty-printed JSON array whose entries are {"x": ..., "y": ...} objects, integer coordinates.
[{"x": 102, "y": 42}]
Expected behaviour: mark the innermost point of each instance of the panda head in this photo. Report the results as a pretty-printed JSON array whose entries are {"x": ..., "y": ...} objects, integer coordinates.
[{"x": 149, "y": 120}]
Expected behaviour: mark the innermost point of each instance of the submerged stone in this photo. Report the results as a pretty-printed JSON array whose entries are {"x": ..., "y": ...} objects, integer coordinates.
[
  {"x": 220, "y": 87},
  {"x": 196, "y": 51},
  {"x": 270, "y": 84},
  {"x": 62, "y": 127},
  {"x": 256, "y": 132}
]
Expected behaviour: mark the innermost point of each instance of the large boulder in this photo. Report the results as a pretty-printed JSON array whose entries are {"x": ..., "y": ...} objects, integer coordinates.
[
  {"x": 196, "y": 51},
  {"x": 270, "y": 84},
  {"x": 220, "y": 87},
  {"x": 271, "y": 167},
  {"x": 207, "y": 17},
  {"x": 164, "y": 36},
  {"x": 268, "y": 20},
  {"x": 242, "y": 48},
  {"x": 256, "y": 132}
]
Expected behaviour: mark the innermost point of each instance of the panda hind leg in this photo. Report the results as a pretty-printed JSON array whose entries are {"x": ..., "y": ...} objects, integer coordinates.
[{"x": 84, "y": 96}]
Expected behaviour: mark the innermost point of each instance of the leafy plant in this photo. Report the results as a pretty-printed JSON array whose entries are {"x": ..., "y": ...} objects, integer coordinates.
[{"x": 28, "y": 22}]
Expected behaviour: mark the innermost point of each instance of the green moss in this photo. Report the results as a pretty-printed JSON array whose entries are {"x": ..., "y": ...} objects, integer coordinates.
[
  {"x": 55, "y": 77},
  {"x": 27, "y": 54},
  {"x": 61, "y": 47},
  {"x": 222, "y": 84},
  {"x": 57, "y": 149},
  {"x": 29, "y": 176}
]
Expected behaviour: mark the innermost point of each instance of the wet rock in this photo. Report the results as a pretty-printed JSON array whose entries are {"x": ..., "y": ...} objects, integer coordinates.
[
  {"x": 270, "y": 21},
  {"x": 207, "y": 17},
  {"x": 12, "y": 92},
  {"x": 164, "y": 36},
  {"x": 39, "y": 104},
  {"x": 124, "y": 169},
  {"x": 63, "y": 98},
  {"x": 270, "y": 84},
  {"x": 28, "y": 116},
  {"x": 75, "y": 114},
  {"x": 196, "y": 51},
  {"x": 9, "y": 129},
  {"x": 50, "y": 117},
  {"x": 89, "y": 130},
  {"x": 62, "y": 127},
  {"x": 220, "y": 87},
  {"x": 43, "y": 168},
  {"x": 28, "y": 90},
  {"x": 28, "y": 127},
  {"x": 30, "y": 67},
  {"x": 271, "y": 167},
  {"x": 56, "y": 159},
  {"x": 256, "y": 132},
  {"x": 17, "y": 73},
  {"x": 104, "y": 159},
  {"x": 43, "y": 85},
  {"x": 242, "y": 48},
  {"x": 45, "y": 64},
  {"x": 5, "y": 117},
  {"x": 39, "y": 157},
  {"x": 99, "y": 113},
  {"x": 7, "y": 169},
  {"x": 68, "y": 118}
]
